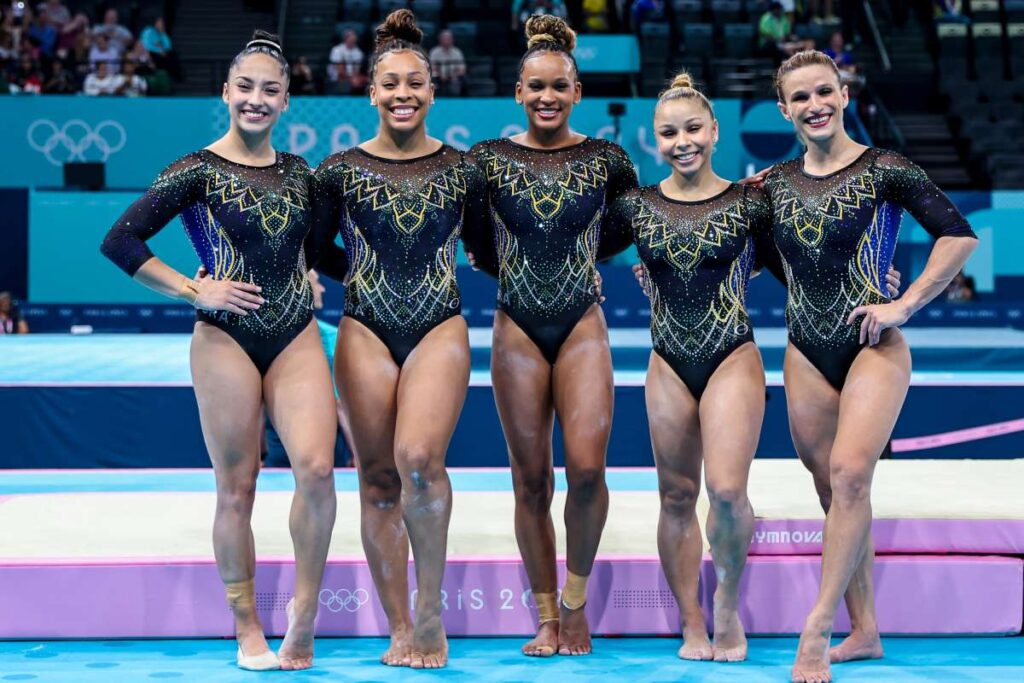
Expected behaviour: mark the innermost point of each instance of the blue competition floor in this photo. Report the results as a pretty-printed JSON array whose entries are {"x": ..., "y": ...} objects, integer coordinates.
[{"x": 963, "y": 660}]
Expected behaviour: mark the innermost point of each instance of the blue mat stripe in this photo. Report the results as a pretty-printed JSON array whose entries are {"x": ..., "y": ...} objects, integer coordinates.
[
  {"x": 191, "y": 481},
  {"x": 939, "y": 660}
]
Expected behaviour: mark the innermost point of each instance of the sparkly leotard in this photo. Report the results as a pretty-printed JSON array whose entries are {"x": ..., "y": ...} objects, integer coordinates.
[
  {"x": 836, "y": 236},
  {"x": 540, "y": 232},
  {"x": 698, "y": 257},
  {"x": 248, "y": 224},
  {"x": 400, "y": 220}
]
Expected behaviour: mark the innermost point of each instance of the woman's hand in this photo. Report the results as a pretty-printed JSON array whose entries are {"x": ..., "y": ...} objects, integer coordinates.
[
  {"x": 757, "y": 180},
  {"x": 640, "y": 273},
  {"x": 225, "y": 295},
  {"x": 598, "y": 282},
  {"x": 878, "y": 318},
  {"x": 472, "y": 260},
  {"x": 892, "y": 282}
]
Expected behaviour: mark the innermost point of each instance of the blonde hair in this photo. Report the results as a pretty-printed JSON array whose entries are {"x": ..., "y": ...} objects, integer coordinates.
[
  {"x": 547, "y": 33},
  {"x": 800, "y": 60},
  {"x": 682, "y": 87}
]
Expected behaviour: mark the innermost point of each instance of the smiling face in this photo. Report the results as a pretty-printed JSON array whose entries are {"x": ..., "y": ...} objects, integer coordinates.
[
  {"x": 686, "y": 134},
  {"x": 814, "y": 101},
  {"x": 548, "y": 90},
  {"x": 256, "y": 93},
  {"x": 402, "y": 90}
]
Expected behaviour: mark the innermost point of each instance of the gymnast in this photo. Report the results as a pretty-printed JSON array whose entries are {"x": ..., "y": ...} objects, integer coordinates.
[
  {"x": 836, "y": 214},
  {"x": 402, "y": 359},
  {"x": 695, "y": 233},
  {"x": 246, "y": 209},
  {"x": 547, "y": 194}
]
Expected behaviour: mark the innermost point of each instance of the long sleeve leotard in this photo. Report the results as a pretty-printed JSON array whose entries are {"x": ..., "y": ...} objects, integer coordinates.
[{"x": 246, "y": 223}]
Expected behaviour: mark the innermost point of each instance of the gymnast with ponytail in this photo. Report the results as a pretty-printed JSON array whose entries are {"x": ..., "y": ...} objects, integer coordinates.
[{"x": 246, "y": 209}]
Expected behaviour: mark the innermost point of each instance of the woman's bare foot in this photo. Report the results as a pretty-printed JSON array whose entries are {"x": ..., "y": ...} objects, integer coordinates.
[
  {"x": 730, "y": 639},
  {"x": 399, "y": 652},
  {"x": 545, "y": 644},
  {"x": 573, "y": 632},
  {"x": 858, "y": 645},
  {"x": 812, "y": 661},
  {"x": 296, "y": 650},
  {"x": 696, "y": 644},
  {"x": 429, "y": 644}
]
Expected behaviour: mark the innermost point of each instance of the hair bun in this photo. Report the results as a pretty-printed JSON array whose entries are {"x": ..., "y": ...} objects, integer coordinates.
[
  {"x": 544, "y": 28},
  {"x": 266, "y": 39},
  {"x": 682, "y": 80},
  {"x": 399, "y": 25}
]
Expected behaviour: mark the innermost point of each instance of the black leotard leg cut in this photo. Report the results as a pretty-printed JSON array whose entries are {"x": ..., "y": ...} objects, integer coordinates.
[
  {"x": 698, "y": 257},
  {"x": 836, "y": 235},
  {"x": 401, "y": 221},
  {"x": 544, "y": 219},
  {"x": 248, "y": 224}
]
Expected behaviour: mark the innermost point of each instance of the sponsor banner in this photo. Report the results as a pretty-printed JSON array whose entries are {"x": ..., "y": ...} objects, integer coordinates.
[{"x": 136, "y": 138}]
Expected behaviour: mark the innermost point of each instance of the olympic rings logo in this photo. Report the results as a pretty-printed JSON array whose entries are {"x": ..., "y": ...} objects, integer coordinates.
[
  {"x": 344, "y": 599},
  {"x": 71, "y": 141}
]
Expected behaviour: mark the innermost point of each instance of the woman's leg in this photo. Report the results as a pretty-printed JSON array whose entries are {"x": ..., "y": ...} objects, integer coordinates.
[
  {"x": 300, "y": 403},
  {"x": 522, "y": 393},
  {"x": 229, "y": 393},
  {"x": 868, "y": 407},
  {"x": 731, "y": 413},
  {"x": 431, "y": 392},
  {"x": 367, "y": 379},
  {"x": 583, "y": 390},
  {"x": 813, "y": 421},
  {"x": 673, "y": 415}
]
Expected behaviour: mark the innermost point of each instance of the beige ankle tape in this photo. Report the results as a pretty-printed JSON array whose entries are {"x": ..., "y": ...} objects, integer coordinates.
[
  {"x": 574, "y": 593},
  {"x": 240, "y": 593},
  {"x": 547, "y": 607}
]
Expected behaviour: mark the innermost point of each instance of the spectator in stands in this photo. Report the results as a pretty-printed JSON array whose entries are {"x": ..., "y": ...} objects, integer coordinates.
[
  {"x": 103, "y": 50},
  {"x": 775, "y": 34},
  {"x": 28, "y": 77},
  {"x": 43, "y": 34},
  {"x": 101, "y": 81},
  {"x": 140, "y": 57},
  {"x": 302, "y": 81},
  {"x": 848, "y": 72},
  {"x": 7, "y": 51},
  {"x": 961, "y": 289},
  {"x": 78, "y": 55},
  {"x": 345, "y": 70},
  {"x": 58, "y": 14},
  {"x": 449, "y": 65},
  {"x": 11, "y": 321},
  {"x": 130, "y": 84},
  {"x": 119, "y": 36},
  {"x": 70, "y": 32},
  {"x": 61, "y": 80},
  {"x": 156, "y": 41},
  {"x": 524, "y": 9}
]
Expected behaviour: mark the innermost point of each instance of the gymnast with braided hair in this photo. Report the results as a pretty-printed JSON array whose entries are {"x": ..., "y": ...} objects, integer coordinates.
[
  {"x": 539, "y": 232},
  {"x": 246, "y": 209},
  {"x": 402, "y": 359}
]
